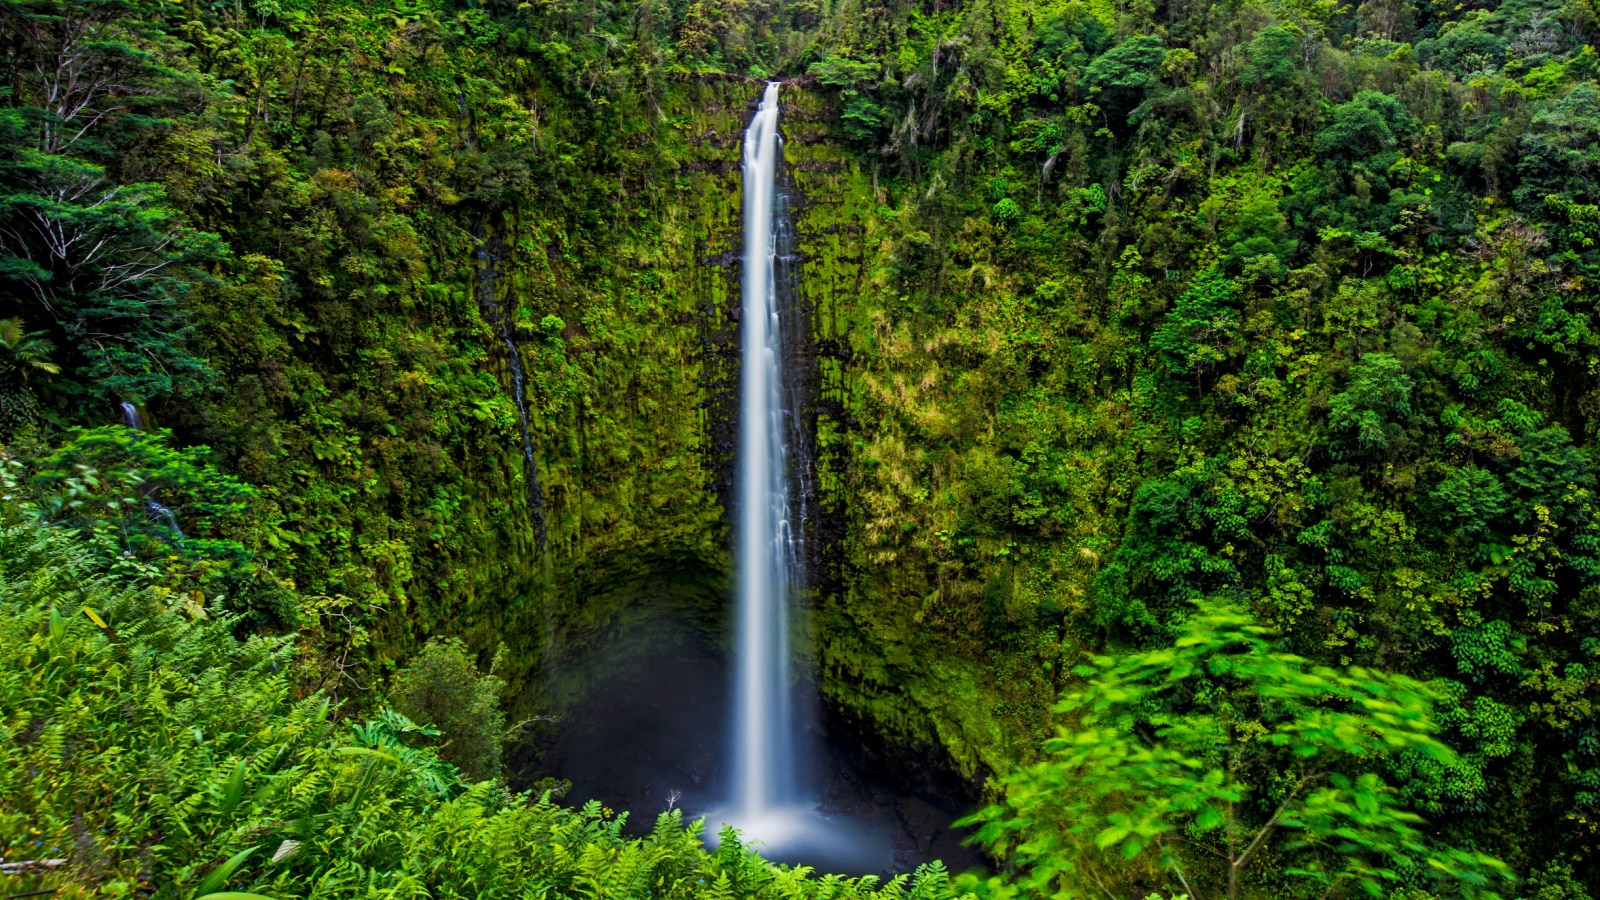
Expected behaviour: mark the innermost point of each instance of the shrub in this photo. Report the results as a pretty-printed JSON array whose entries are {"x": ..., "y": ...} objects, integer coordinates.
[{"x": 444, "y": 688}]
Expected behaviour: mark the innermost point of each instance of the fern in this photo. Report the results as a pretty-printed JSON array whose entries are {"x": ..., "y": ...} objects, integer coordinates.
[{"x": 147, "y": 750}]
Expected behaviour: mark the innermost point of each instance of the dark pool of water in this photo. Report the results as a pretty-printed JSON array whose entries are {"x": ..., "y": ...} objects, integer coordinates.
[{"x": 647, "y": 728}]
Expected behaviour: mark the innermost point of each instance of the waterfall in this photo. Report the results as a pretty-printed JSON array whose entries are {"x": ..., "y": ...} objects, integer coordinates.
[
  {"x": 130, "y": 416},
  {"x": 490, "y": 252},
  {"x": 766, "y": 555},
  {"x": 774, "y": 797}
]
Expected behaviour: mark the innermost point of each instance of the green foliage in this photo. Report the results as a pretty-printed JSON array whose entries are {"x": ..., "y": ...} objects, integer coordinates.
[
  {"x": 155, "y": 511},
  {"x": 1296, "y": 305},
  {"x": 1199, "y": 331},
  {"x": 24, "y": 361},
  {"x": 107, "y": 479},
  {"x": 1470, "y": 498},
  {"x": 1366, "y": 126},
  {"x": 1270, "y": 57},
  {"x": 1006, "y": 211},
  {"x": 161, "y": 754},
  {"x": 26, "y": 352},
  {"x": 1221, "y": 743},
  {"x": 1485, "y": 649},
  {"x": 1128, "y": 66},
  {"x": 107, "y": 260},
  {"x": 111, "y": 271},
  {"x": 1252, "y": 230},
  {"x": 861, "y": 117},
  {"x": 1556, "y": 168},
  {"x": 1374, "y": 407}
]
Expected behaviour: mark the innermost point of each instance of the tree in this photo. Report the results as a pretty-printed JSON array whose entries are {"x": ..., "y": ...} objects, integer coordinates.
[
  {"x": 710, "y": 26},
  {"x": 861, "y": 116},
  {"x": 107, "y": 263},
  {"x": 1369, "y": 124},
  {"x": 78, "y": 64},
  {"x": 1559, "y": 158},
  {"x": 1185, "y": 764},
  {"x": 1375, "y": 404},
  {"x": 1127, "y": 67},
  {"x": 104, "y": 263},
  {"x": 1200, "y": 330},
  {"x": 443, "y": 688}
]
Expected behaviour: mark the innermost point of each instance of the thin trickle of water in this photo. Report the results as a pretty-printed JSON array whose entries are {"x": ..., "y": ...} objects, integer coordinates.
[
  {"x": 766, "y": 558},
  {"x": 157, "y": 510},
  {"x": 499, "y": 319},
  {"x": 167, "y": 517},
  {"x": 130, "y": 415}
]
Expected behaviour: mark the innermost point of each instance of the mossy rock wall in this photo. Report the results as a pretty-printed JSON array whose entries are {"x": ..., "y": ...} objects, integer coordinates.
[{"x": 638, "y": 470}]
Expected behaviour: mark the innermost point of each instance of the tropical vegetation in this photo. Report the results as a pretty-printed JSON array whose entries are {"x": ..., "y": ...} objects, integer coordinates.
[{"x": 1202, "y": 400}]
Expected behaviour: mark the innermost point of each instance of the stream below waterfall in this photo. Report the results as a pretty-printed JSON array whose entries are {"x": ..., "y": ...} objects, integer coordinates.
[{"x": 649, "y": 718}]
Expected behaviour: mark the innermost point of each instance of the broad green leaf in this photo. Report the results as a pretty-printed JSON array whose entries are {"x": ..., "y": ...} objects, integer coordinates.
[
  {"x": 220, "y": 875},
  {"x": 233, "y": 791}
]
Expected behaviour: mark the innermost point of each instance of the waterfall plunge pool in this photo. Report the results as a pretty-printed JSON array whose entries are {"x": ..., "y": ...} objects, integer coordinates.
[{"x": 645, "y": 725}]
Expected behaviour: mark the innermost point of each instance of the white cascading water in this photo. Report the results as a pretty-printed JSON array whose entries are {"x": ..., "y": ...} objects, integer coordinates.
[
  {"x": 772, "y": 803},
  {"x": 130, "y": 416},
  {"x": 763, "y": 734}
]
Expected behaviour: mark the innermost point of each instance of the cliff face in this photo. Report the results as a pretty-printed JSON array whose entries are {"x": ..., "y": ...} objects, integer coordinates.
[
  {"x": 639, "y": 468},
  {"x": 894, "y": 654},
  {"x": 638, "y": 464},
  {"x": 901, "y": 618},
  {"x": 457, "y": 304}
]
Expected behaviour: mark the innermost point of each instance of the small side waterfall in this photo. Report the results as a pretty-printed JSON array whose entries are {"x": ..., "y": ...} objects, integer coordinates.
[
  {"x": 130, "y": 415},
  {"x": 766, "y": 560},
  {"x": 490, "y": 252},
  {"x": 157, "y": 510}
]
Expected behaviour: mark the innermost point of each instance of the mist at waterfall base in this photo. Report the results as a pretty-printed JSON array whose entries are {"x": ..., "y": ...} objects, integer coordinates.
[
  {"x": 648, "y": 727},
  {"x": 787, "y": 790}
]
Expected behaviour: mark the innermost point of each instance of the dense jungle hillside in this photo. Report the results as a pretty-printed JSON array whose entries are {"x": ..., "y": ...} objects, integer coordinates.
[{"x": 1203, "y": 400}]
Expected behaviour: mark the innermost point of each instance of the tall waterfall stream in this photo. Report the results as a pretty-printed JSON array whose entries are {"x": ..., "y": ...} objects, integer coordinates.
[{"x": 767, "y": 563}]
